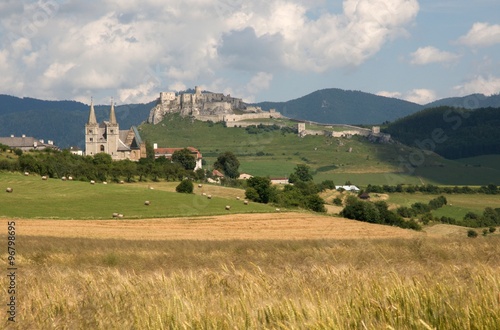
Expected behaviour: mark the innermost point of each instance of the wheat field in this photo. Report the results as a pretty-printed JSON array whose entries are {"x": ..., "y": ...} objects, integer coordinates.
[{"x": 82, "y": 275}]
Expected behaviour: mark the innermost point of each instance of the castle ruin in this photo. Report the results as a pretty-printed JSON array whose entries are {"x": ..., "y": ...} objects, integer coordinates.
[{"x": 206, "y": 106}]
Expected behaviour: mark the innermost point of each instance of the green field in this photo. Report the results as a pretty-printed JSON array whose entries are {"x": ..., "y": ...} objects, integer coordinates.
[
  {"x": 275, "y": 154},
  {"x": 56, "y": 199},
  {"x": 458, "y": 205}
]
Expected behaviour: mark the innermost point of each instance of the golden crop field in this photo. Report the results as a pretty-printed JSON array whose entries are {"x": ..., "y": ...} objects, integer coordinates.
[{"x": 255, "y": 271}]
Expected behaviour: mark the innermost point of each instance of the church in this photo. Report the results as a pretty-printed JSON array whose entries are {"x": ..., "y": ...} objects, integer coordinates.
[{"x": 108, "y": 138}]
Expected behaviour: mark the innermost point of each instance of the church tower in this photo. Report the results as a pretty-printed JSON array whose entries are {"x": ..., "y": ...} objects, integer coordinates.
[
  {"x": 112, "y": 133},
  {"x": 91, "y": 133}
]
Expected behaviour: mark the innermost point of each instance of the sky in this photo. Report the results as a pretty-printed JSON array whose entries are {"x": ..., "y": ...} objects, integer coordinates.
[{"x": 259, "y": 50}]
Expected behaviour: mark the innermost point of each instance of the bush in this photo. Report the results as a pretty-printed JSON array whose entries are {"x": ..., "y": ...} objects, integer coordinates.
[
  {"x": 471, "y": 233},
  {"x": 186, "y": 187},
  {"x": 337, "y": 201},
  {"x": 492, "y": 230}
]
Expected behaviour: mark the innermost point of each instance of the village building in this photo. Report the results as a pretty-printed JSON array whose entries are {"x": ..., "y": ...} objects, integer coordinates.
[
  {"x": 27, "y": 143},
  {"x": 108, "y": 138},
  {"x": 168, "y": 152}
]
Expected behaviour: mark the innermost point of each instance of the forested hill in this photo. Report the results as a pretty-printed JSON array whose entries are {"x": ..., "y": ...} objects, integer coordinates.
[
  {"x": 473, "y": 101},
  {"x": 337, "y": 106},
  {"x": 453, "y": 133},
  {"x": 60, "y": 121}
]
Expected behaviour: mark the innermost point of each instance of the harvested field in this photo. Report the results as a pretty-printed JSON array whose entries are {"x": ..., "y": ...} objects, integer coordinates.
[{"x": 286, "y": 226}]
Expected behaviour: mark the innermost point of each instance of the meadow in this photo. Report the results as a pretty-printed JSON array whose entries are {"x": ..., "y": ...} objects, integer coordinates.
[
  {"x": 57, "y": 199},
  {"x": 275, "y": 154}
]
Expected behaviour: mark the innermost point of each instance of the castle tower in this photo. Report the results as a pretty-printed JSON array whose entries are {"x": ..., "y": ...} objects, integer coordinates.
[
  {"x": 91, "y": 132},
  {"x": 112, "y": 132}
]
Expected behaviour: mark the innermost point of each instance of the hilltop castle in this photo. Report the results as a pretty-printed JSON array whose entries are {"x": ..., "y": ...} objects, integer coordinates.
[
  {"x": 206, "y": 106},
  {"x": 108, "y": 138}
]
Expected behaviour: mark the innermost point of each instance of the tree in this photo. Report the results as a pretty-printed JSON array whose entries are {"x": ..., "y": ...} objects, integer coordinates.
[
  {"x": 262, "y": 187},
  {"x": 229, "y": 164},
  {"x": 302, "y": 173},
  {"x": 186, "y": 187},
  {"x": 184, "y": 158}
]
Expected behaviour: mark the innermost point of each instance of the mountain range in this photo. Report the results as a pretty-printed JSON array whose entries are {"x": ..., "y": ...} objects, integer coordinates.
[{"x": 63, "y": 121}]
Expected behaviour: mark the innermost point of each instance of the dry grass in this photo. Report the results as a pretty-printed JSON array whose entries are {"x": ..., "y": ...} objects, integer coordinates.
[
  {"x": 250, "y": 226},
  {"x": 290, "y": 271}
]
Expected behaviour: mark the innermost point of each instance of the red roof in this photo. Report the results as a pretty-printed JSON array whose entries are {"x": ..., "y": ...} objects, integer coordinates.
[
  {"x": 167, "y": 152},
  {"x": 217, "y": 173}
]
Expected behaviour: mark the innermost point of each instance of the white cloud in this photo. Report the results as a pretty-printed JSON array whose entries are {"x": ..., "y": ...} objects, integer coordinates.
[
  {"x": 75, "y": 49},
  {"x": 428, "y": 55},
  {"x": 483, "y": 85},
  {"x": 481, "y": 35},
  {"x": 419, "y": 95}
]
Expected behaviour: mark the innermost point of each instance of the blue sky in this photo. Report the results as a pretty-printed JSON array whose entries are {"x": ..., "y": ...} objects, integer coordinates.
[{"x": 261, "y": 50}]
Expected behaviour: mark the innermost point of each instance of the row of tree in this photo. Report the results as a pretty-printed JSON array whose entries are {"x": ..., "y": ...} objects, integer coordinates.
[{"x": 490, "y": 189}]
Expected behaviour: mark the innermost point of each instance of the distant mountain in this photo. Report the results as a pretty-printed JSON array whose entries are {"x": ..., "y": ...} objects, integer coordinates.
[
  {"x": 451, "y": 132},
  {"x": 60, "y": 121},
  {"x": 337, "y": 106},
  {"x": 473, "y": 101}
]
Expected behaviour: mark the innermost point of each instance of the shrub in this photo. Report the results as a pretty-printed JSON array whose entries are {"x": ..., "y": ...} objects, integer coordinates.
[
  {"x": 186, "y": 187},
  {"x": 471, "y": 233},
  {"x": 492, "y": 230},
  {"x": 337, "y": 201}
]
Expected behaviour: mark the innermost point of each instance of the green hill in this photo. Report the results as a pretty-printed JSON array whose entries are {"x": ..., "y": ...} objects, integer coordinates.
[
  {"x": 275, "y": 153},
  {"x": 451, "y": 132},
  {"x": 338, "y": 106},
  {"x": 473, "y": 101}
]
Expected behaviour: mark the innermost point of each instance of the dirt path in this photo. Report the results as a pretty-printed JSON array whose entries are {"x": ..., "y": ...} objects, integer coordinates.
[{"x": 248, "y": 226}]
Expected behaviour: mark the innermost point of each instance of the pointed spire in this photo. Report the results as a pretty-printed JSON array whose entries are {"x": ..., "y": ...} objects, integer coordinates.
[
  {"x": 112, "y": 116},
  {"x": 92, "y": 119}
]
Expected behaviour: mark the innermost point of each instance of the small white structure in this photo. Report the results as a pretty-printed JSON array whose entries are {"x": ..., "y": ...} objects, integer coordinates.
[{"x": 348, "y": 188}]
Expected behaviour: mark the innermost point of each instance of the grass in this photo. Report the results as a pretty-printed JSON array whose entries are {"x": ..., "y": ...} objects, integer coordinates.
[
  {"x": 426, "y": 283},
  {"x": 57, "y": 199},
  {"x": 367, "y": 163},
  {"x": 458, "y": 205}
]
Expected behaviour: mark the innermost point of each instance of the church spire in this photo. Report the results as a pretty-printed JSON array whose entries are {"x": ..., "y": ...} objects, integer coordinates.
[
  {"x": 112, "y": 116},
  {"x": 92, "y": 119}
]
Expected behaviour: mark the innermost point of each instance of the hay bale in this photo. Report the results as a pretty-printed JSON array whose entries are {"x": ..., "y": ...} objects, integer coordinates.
[
  {"x": 9, "y": 190},
  {"x": 26, "y": 173},
  {"x": 209, "y": 196},
  {"x": 70, "y": 178},
  {"x": 200, "y": 185},
  {"x": 64, "y": 178},
  {"x": 204, "y": 194},
  {"x": 92, "y": 182},
  {"x": 147, "y": 202},
  {"x": 115, "y": 215},
  {"x": 278, "y": 210},
  {"x": 44, "y": 177},
  {"x": 228, "y": 207},
  {"x": 238, "y": 198},
  {"x": 120, "y": 216},
  {"x": 104, "y": 182},
  {"x": 122, "y": 182},
  {"x": 245, "y": 202}
]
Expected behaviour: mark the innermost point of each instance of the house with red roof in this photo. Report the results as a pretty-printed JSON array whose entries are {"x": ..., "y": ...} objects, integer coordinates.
[{"x": 168, "y": 152}]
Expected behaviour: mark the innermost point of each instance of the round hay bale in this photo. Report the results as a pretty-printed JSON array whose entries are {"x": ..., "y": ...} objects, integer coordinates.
[
  {"x": 209, "y": 196},
  {"x": 245, "y": 202},
  {"x": 70, "y": 178},
  {"x": 238, "y": 198},
  {"x": 9, "y": 190},
  {"x": 278, "y": 210},
  {"x": 64, "y": 178},
  {"x": 104, "y": 182},
  {"x": 228, "y": 207},
  {"x": 26, "y": 173},
  {"x": 92, "y": 182},
  {"x": 120, "y": 216},
  {"x": 204, "y": 194},
  {"x": 147, "y": 202},
  {"x": 44, "y": 177},
  {"x": 115, "y": 215},
  {"x": 200, "y": 185},
  {"x": 122, "y": 182}
]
